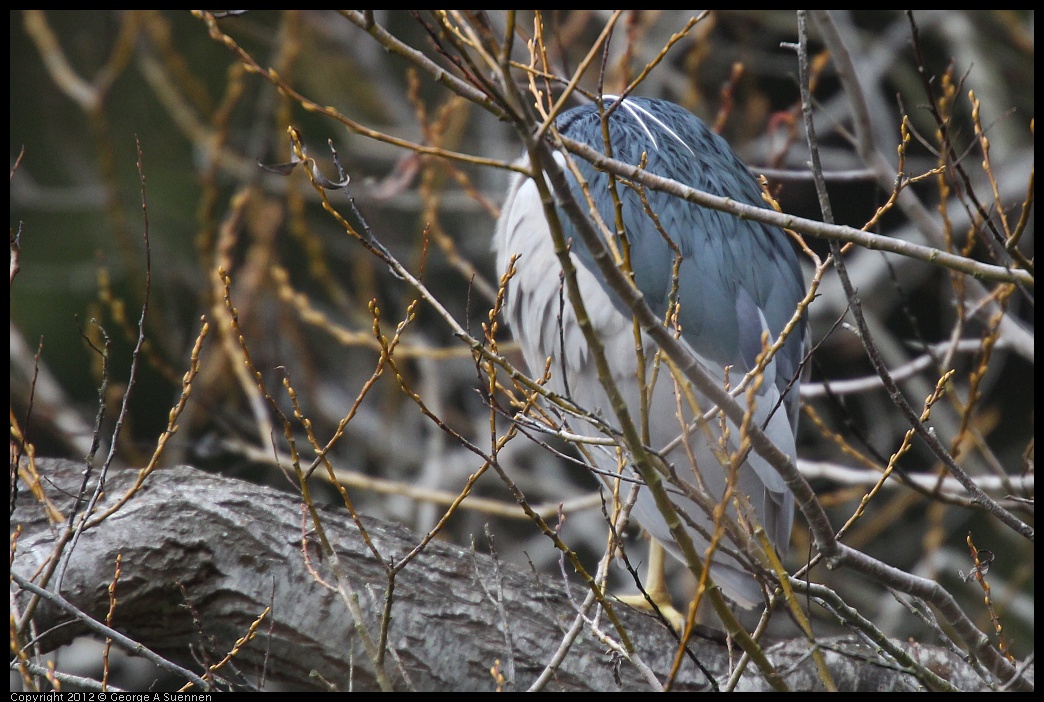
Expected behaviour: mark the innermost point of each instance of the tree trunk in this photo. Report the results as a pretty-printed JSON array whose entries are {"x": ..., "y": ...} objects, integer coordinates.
[{"x": 204, "y": 555}]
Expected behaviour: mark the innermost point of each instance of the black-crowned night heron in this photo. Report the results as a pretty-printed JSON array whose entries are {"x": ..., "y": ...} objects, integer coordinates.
[{"x": 737, "y": 281}]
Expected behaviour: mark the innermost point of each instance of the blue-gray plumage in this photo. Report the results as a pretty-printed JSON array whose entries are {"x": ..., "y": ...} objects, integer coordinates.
[{"x": 737, "y": 279}]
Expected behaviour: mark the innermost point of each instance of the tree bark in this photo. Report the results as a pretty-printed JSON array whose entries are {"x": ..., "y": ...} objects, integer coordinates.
[{"x": 204, "y": 555}]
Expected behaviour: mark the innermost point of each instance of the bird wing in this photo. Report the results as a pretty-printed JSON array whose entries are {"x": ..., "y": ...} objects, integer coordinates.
[{"x": 736, "y": 279}]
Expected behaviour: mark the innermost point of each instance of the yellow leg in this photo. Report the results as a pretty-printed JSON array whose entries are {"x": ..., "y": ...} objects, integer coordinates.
[{"x": 656, "y": 588}]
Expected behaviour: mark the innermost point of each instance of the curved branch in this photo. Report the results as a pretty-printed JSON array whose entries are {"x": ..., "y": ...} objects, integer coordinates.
[{"x": 821, "y": 230}]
